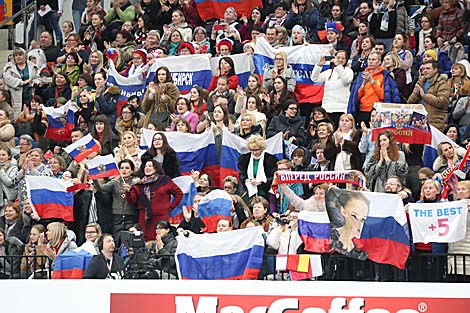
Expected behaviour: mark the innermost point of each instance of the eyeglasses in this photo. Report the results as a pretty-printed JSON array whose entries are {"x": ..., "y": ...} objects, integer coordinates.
[
  {"x": 301, "y": 4},
  {"x": 255, "y": 150},
  {"x": 90, "y": 232},
  {"x": 157, "y": 139},
  {"x": 278, "y": 59},
  {"x": 246, "y": 119}
]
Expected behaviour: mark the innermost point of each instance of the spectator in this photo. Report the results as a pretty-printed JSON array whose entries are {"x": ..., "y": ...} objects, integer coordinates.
[
  {"x": 50, "y": 19},
  {"x": 183, "y": 108},
  {"x": 121, "y": 11},
  {"x": 279, "y": 17},
  {"x": 347, "y": 138},
  {"x": 129, "y": 149},
  {"x": 130, "y": 120},
  {"x": 361, "y": 60},
  {"x": 450, "y": 26},
  {"x": 161, "y": 152},
  {"x": 260, "y": 207},
  {"x": 305, "y": 14},
  {"x": 7, "y": 131},
  {"x": 198, "y": 97},
  {"x": 5, "y": 103},
  {"x": 289, "y": 123},
  {"x": 200, "y": 38},
  {"x": 157, "y": 207},
  {"x": 33, "y": 265},
  {"x": 387, "y": 161},
  {"x": 20, "y": 75},
  {"x": 59, "y": 241},
  {"x": 433, "y": 91},
  {"x": 426, "y": 28},
  {"x": 279, "y": 97},
  {"x": 226, "y": 68},
  {"x": 280, "y": 68},
  {"x": 163, "y": 249},
  {"x": 373, "y": 85},
  {"x": 252, "y": 106}
]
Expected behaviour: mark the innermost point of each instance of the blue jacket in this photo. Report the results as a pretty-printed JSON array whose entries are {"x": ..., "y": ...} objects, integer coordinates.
[
  {"x": 391, "y": 93},
  {"x": 310, "y": 21}
]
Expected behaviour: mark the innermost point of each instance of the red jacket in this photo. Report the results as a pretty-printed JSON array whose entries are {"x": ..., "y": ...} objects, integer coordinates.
[{"x": 232, "y": 83}]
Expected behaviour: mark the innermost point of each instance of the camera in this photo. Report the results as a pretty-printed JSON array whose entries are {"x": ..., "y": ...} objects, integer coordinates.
[
  {"x": 134, "y": 240},
  {"x": 329, "y": 57},
  {"x": 282, "y": 221}
]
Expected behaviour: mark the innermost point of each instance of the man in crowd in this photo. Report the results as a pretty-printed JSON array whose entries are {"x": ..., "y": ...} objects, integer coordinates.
[{"x": 108, "y": 264}]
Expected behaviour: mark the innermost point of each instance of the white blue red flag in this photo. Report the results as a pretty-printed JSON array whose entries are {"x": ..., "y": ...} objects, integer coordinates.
[
  {"x": 188, "y": 187},
  {"x": 236, "y": 254},
  {"x": 82, "y": 148},
  {"x": 186, "y": 71},
  {"x": 430, "y": 151},
  {"x": 302, "y": 59},
  {"x": 243, "y": 64},
  {"x": 233, "y": 146},
  {"x": 102, "y": 167},
  {"x": 49, "y": 198},
  {"x": 214, "y": 206},
  {"x": 60, "y": 121}
]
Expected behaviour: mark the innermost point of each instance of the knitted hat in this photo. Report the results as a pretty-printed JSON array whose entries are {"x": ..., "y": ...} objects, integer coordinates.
[
  {"x": 142, "y": 53},
  {"x": 432, "y": 53},
  {"x": 187, "y": 45},
  {"x": 332, "y": 26},
  {"x": 225, "y": 42},
  {"x": 299, "y": 28}
]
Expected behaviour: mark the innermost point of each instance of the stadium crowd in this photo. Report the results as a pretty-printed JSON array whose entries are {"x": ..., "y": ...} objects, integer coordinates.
[{"x": 380, "y": 52}]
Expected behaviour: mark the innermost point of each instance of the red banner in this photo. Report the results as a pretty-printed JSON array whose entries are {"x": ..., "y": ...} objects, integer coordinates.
[
  {"x": 168, "y": 303},
  {"x": 406, "y": 135}
]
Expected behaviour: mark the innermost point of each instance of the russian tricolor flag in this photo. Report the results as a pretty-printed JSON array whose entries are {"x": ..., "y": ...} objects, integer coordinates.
[
  {"x": 302, "y": 59},
  {"x": 214, "y": 206},
  {"x": 71, "y": 264},
  {"x": 102, "y": 167},
  {"x": 187, "y": 186},
  {"x": 49, "y": 198},
  {"x": 430, "y": 151},
  {"x": 314, "y": 229},
  {"x": 82, "y": 148},
  {"x": 129, "y": 86},
  {"x": 385, "y": 236},
  {"x": 236, "y": 254},
  {"x": 194, "y": 151},
  {"x": 186, "y": 71},
  {"x": 233, "y": 146},
  {"x": 60, "y": 121}
]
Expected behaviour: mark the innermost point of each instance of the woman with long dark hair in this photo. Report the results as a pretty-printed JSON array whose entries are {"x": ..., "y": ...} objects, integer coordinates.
[
  {"x": 160, "y": 98},
  {"x": 278, "y": 97},
  {"x": 152, "y": 194},
  {"x": 226, "y": 68},
  {"x": 387, "y": 161},
  {"x": 198, "y": 99},
  {"x": 161, "y": 152},
  {"x": 102, "y": 132},
  {"x": 107, "y": 98}
]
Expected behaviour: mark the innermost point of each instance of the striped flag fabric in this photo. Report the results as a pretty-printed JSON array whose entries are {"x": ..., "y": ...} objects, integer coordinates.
[
  {"x": 188, "y": 187},
  {"x": 82, "y": 148},
  {"x": 236, "y": 254},
  {"x": 49, "y": 197},
  {"x": 184, "y": 76},
  {"x": 102, "y": 167},
  {"x": 233, "y": 146},
  {"x": 194, "y": 151},
  {"x": 208, "y": 9},
  {"x": 302, "y": 59},
  {"x": 214, "y": 206},
  {"x": 314, "y": 230},
  {"x": 243, "y": 64},
  {"x": 60, "y": 121},
  {"x": 430, "y": 151},
  {"x": 300, "y": 266},
  {"x": 71, "y": 264}
]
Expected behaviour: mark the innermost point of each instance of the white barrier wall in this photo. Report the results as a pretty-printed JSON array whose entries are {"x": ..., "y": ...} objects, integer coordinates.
[{"x": 162, "y": 296}]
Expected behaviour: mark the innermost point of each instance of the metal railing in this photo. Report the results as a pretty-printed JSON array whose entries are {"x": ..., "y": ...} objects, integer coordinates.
[
  {"x": 420, "y": 267},
  {"x": 25, "y": 267},
  {"x": 26, "y": 9}
]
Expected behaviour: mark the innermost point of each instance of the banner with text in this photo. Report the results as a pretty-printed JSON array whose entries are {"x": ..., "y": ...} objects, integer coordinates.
[
  {"x": 408, "y": 122},
  {"x": 438, "y": 222}
]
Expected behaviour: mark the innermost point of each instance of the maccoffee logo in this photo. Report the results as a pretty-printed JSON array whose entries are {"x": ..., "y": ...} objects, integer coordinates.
[{"x": 185, "y": 304}]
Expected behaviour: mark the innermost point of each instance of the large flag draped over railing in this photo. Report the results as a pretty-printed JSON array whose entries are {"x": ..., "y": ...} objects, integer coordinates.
[
  {"x": 208, "y": 9},
  {"x": 302, "y": 59},
  {"x": 360, "y": 225},
  {"x": 186, "y": 71},
  {"x": 49, "y": 197},
  {"x": 408, "y": 122},
  {"x": 236, "y": 254}
]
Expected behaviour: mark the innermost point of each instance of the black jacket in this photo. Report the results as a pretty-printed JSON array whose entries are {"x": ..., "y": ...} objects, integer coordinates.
[
  {"x": 171, "y": 164},
  {"x": 295, "y": 127},
  {"x": 98, "y": 269},
  {"x": 270, "y": 167}
]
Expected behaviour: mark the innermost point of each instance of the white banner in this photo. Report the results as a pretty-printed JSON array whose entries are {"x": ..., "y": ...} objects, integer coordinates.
[{"x": 438, "y": 222}]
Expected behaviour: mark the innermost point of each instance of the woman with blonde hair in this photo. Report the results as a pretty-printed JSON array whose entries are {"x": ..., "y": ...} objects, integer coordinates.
[
  {"x": 30, "y": 264},
  {"x": 59, "y": 241},
  {"x": 129, "y": 149},
  {"x": 387, "y": 161},
  {"x": 347, "y": 139},
  {"x": 280, "y": 68},
  {"x": 257, "y": 167},
  {"x": 392, "y": 63}
]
